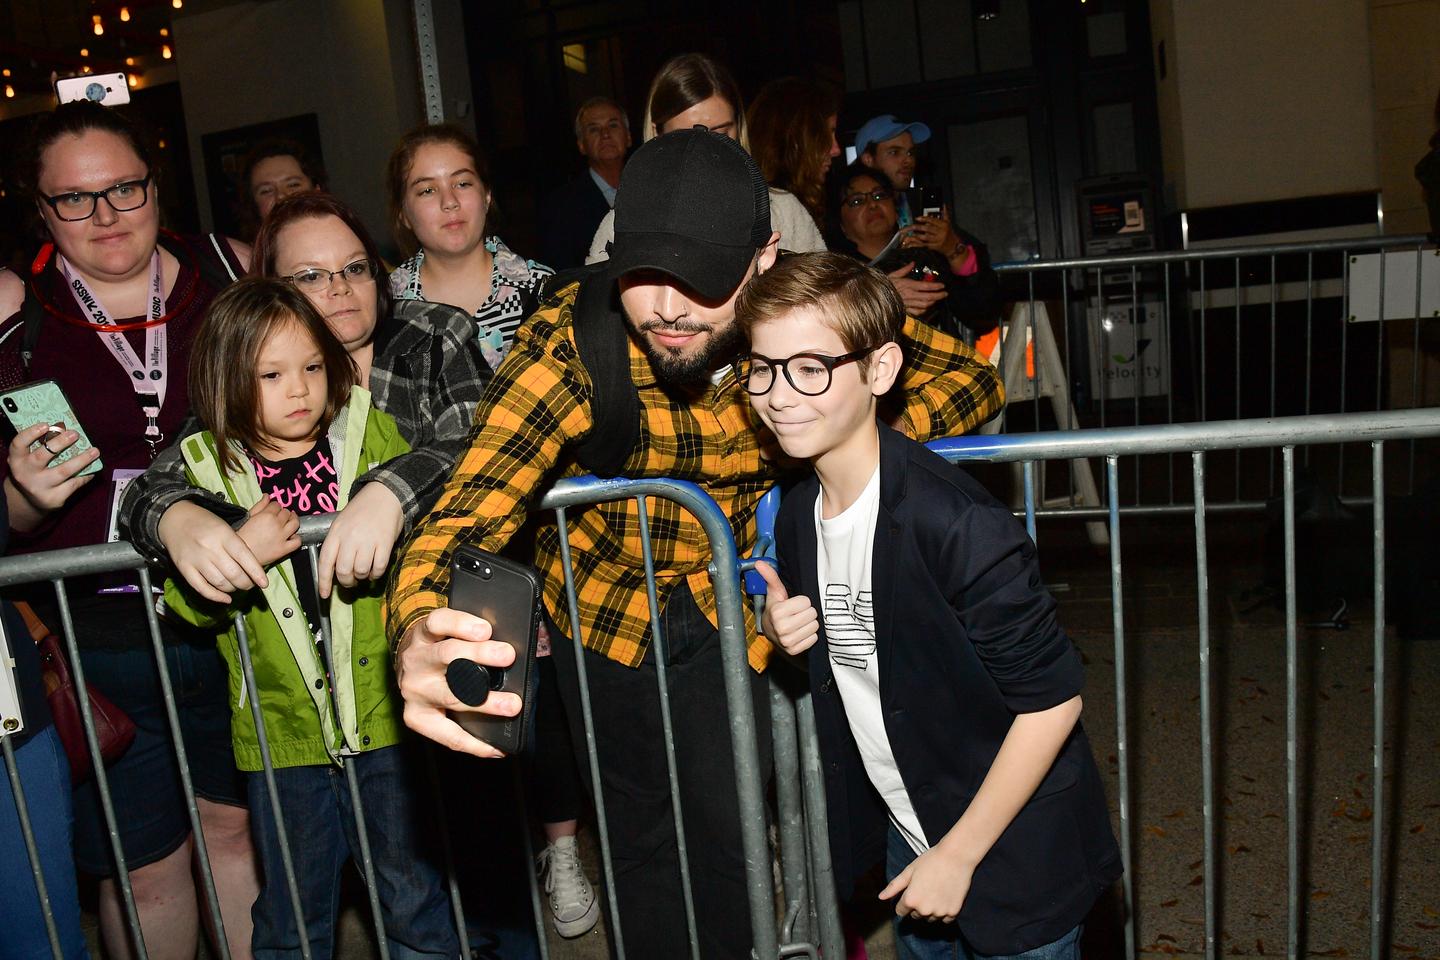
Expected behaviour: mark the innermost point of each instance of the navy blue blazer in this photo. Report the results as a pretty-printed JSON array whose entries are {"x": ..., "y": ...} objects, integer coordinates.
[
  {"x": 966, "y": 638},
  {"x": 568, "y": 222}
]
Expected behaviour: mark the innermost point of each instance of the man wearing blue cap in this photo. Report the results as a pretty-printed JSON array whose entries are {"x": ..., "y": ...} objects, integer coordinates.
[{"x": 888, "y": 146}]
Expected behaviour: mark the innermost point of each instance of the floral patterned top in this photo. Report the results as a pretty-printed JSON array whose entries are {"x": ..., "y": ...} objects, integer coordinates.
[{"x": 514, "y": 294}]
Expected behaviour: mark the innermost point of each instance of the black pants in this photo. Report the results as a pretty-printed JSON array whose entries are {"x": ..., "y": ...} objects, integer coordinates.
[
  {"x": 552, "y": 780},
  {"x": 629, "y": 737}
]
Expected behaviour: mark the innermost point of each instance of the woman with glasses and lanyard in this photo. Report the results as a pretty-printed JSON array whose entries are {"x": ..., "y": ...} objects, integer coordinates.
[
  {"x": 953, "y": 289},
  {"x": 112, "y": 307}
]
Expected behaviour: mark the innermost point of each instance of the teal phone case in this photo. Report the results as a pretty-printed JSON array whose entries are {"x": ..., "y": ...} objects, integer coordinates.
[{"x": 44, "y": 402}]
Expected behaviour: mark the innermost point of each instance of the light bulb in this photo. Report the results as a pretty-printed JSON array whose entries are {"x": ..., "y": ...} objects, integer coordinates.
[
  {"x": 84, "y": 52},
  {"x": 165, "y": 52},
  {"x": 125, "y": 14},
  {"x": 130, "y": 78},
  {"x": 9, "y": 90}
]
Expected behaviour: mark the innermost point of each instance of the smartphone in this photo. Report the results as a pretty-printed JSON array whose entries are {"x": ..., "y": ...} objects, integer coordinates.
[
  {"x": 106, "y": 88},
  {"x": 931, "y": 204},
  {"x": 44, "y": 402},
  {"x": 507, "y": 594}
]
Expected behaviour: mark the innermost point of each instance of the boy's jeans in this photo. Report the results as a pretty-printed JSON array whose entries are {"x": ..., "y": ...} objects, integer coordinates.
[
  {"x": 933, "y": 940},
  {"x": 320, "y": 825}
]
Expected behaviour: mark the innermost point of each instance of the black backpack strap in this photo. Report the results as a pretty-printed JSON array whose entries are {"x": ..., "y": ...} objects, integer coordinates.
[
  {"x": 603, "y": 345},
  {"x": 32, "y": 314}
]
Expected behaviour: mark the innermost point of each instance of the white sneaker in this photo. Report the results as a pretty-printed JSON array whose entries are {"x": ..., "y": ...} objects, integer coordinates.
[{"x": 572, "y": 900}]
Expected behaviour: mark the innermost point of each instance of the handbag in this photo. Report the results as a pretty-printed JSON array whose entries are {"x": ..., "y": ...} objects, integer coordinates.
[{"x": 113, "y": 728}]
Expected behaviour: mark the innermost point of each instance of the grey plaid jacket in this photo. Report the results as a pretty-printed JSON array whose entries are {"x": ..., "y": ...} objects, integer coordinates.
[{"x": 428, "y": 374}]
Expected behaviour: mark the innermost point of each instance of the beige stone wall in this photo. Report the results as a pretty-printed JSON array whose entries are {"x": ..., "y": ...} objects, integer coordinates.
[
  {"x": 1405, "y": 35},
  {"x": 1265, "y": 99}
]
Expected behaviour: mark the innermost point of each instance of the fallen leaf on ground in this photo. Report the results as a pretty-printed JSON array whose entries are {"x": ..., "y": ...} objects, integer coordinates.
[
  {"x": 1196, "y": 864},
  {"x": 1246, "y": 793},
  {"x": 1239, "y": 848},
  {"x": 1337, "y": 952},
  {"x": 1429, "y": 912},
  {"x": 1266, "y": 719},
  {"x": 1402, "y": 948},
  {"x": 1427, "y": 926},
  {"x": 1260, "y": 947},
  {"x": 1169, "y": 903},
  {"x": 1418, "y": 828},
  {"x": 1166, "y": 936},
  {"x": 1196, "y": 882},
  {"x": 1247, "y": 779},
  {"x": 1323, "y": 695},
  {"x": 1270, "y": 816},
  {"x": 1193, "y": 921},
  {"x": 1317, "y": 894},
  {"x": 1156, "y": 830},
  {"x": 1358, "y": 794},
  {"x": 1262, "y": 916},
  {"x": 1248, "y": 679},
  {"x": 1263, "y": 690},
  {"x": 1180, "y": 814}
]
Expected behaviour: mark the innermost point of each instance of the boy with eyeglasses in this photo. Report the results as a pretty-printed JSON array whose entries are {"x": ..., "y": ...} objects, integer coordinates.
[{"x": 947, "y": 698}]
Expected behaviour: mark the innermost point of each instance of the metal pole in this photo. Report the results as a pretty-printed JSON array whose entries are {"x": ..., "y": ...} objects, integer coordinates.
[
  {"x": 1292, "y": 787},
  {"x": 429, "y": 62},
  {"x": 247, "y": 667},
  {"x": 31, "y": 849},
  {"x": 352, "y": 779},
  {"x": 657, "y": 650},
  {"x": 1122, "y": 749},
  {"x": 167, "y": 690},
  {"x": 822, "y": 870},
  {"x": 102, "y": 780},
  {"x": 542, "y": 939},
  {"x": 1207, "y": 750},
  {"x": 598, "y": 793},
  {"x": 791, "y": 820},
  {"x": 1377, "y": 832},
  {"x": 450, "y": 876}
]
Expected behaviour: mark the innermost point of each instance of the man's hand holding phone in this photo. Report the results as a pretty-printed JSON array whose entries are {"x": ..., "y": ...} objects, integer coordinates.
[{"x": 421, "y": 662}]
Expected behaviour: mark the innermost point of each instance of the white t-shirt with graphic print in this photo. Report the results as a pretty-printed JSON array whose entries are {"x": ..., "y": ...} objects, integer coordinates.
[{"x": 845, "y": 547}]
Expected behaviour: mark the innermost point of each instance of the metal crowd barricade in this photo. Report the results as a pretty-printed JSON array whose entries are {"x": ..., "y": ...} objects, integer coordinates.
[
  {"x": 811, "y": 913},
  {"x": 1197, "y": 335},
  {"x": 1198, "y": 439}
]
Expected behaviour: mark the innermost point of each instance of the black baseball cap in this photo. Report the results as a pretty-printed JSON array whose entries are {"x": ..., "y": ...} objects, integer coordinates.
[{"x": 693, "y": 204}]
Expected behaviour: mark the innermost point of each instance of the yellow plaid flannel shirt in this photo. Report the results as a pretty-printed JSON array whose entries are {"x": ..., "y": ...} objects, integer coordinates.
[{"x": 538, "y": 406}]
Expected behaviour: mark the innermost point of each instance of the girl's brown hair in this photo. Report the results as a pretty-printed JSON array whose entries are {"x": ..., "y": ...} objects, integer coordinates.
[
  {"x": 686, "y": 80},
  {"x": 397, "y": 175},
  {"x": 224, "y": 390},
  {"x": 790, "y": 138}
]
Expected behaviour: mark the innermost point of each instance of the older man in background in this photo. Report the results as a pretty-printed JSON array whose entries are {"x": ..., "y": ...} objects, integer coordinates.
[{"x": 571, "y": 214}]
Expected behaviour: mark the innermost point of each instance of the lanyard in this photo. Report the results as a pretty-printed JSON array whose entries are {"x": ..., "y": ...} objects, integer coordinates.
[{"x": 148, "y": 377}]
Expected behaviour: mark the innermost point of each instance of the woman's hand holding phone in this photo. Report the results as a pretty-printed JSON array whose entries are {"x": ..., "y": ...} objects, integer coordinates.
[{"x": 34, "y": 488}]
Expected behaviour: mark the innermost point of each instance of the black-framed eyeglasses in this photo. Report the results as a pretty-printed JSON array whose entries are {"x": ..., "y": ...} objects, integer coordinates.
[
  {"x": 809, "y": 373},
  {"x": 860, "y": 199},
  {"x": 360, "y": 271},
  {"x": 80, "y": 204}
]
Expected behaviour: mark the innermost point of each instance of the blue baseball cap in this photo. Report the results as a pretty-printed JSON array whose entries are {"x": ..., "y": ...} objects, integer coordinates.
[{"x": 880, "y": 129}]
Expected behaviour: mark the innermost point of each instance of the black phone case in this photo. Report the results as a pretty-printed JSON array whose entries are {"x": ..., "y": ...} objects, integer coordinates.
[{"x": 509, "y": 598}]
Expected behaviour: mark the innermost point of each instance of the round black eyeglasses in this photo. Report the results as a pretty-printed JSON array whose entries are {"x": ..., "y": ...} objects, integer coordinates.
[{"x": 809, "y": 373}]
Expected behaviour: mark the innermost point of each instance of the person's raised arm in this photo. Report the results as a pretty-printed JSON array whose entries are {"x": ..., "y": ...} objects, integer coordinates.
[
  {"x": 537, "y": 403},
  {"x": 945, "y": 386}
]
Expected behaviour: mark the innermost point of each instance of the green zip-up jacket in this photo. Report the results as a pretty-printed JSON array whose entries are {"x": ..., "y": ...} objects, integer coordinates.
[{"x": 289, "y": 672}]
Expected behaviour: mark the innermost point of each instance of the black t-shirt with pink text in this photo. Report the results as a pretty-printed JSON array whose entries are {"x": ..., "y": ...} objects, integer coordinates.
[{"x": 307, "y": 484}]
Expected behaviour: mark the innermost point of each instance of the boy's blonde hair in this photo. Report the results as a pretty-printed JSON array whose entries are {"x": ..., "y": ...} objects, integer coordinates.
[{"x": 857, "y": 302}]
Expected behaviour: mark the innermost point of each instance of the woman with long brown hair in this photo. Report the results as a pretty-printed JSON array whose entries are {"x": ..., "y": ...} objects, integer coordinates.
[
  {"x": 792, "y": 137},
  {"x": 694, "y": 89}
]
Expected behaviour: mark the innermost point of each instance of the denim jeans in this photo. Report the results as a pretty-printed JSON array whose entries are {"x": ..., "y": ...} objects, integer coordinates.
[
  {"x": 933, "y": 940},
  {"x": 45, "y": 779},
  {"x": 320, "y": 826}
]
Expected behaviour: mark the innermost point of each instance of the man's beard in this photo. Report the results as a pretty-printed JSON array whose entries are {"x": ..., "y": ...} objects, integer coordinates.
[{"x": 676, "y": 370}]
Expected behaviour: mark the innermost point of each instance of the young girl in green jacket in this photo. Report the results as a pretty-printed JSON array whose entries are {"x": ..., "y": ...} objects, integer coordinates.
[{"x": 289, "y": 431}]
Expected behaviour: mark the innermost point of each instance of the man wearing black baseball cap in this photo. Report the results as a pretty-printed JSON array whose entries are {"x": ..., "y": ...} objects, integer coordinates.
[{"x": 639, "y": 385}]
